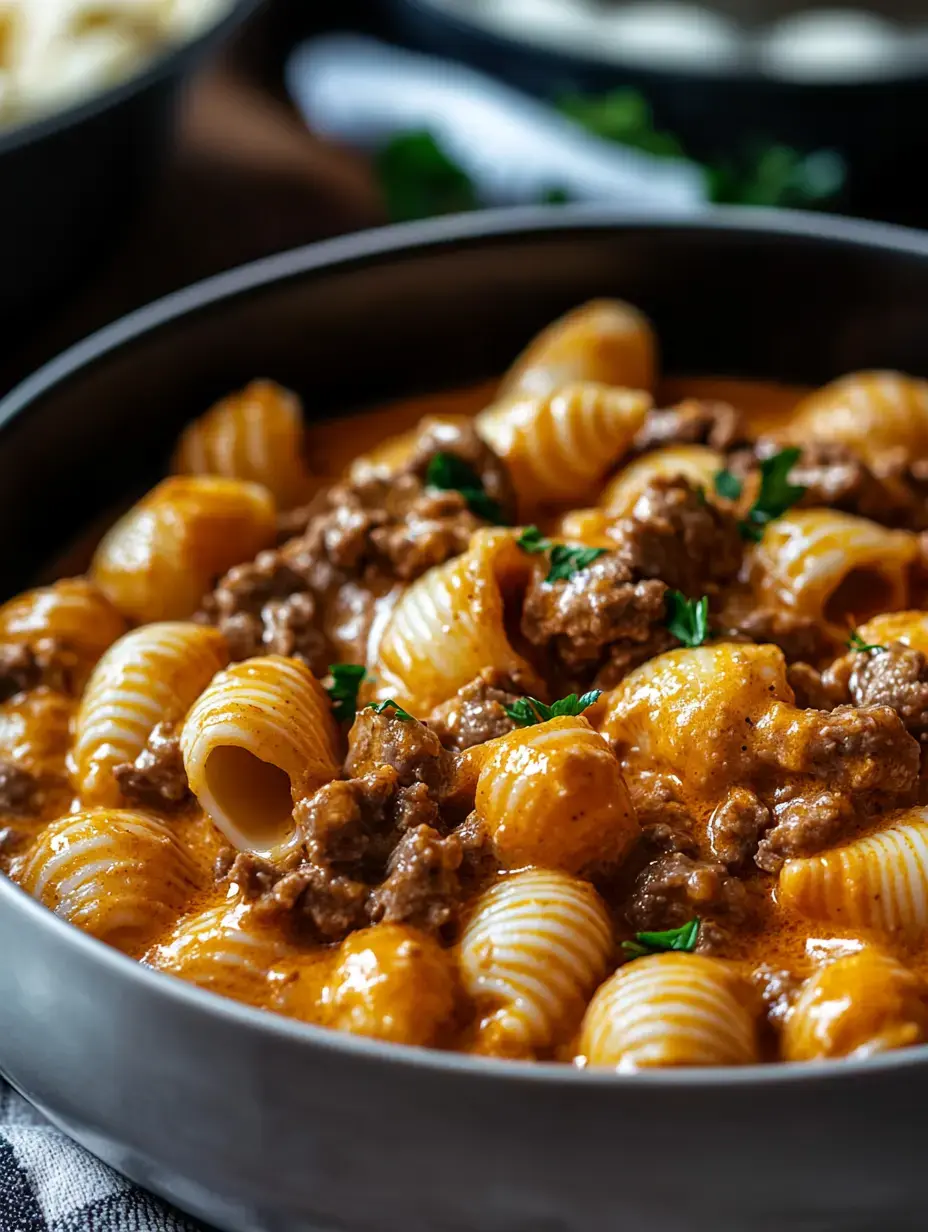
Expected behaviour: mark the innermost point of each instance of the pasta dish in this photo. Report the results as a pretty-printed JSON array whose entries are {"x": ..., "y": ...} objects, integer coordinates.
[
  {"x": 576, "y": 719},
  {"x": 56, "y": 52}
]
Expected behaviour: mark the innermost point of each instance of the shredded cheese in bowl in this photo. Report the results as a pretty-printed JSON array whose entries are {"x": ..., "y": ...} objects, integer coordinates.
[{"x": 56, "y": 52}]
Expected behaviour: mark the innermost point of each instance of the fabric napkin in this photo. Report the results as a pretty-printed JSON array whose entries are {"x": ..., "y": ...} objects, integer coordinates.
[{"x": 50, "y": 1184}]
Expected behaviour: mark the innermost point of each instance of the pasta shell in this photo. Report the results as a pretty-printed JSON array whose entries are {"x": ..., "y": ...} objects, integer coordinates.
[
  {"x": 832, "y": 566},
  {"x": 586, "y": 526},
  {"x": 857, "y": 1006},
  {"x": 121, "y": 876},
  {"x": 605, "y": 340},
  {"x": 909, "y": 628},
  {"x": 553, "y": 796},
  {"x": 536, "y": 946},
  {"x": 558, "y": 448},
  {"x": 35, "y": 731},
  {"x": 870, "y": 412},
  {"x": 158, "y": 561},
  {"x": 258, "y": 740},
  {"x": 710, "y": 697},
  {"x": 222, "y": 949},
  {"x": 73, "y": 612},
  {"x": 257, "y": 435},
  {"x": 152, "y": 674},
  {"x": 671, "y": 1010},
  {"x": 392, "y": 983},
  {"x": 695, "y": 463},
  {"x": 879, "y": 882},
  {"x": 449, "y": 625}
]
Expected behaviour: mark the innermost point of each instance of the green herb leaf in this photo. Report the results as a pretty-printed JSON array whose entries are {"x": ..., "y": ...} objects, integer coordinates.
[
  {"x": 623, "y": 116},
  {"x": 533, "y": 541},
  {"x": 776, "y": 494},
  {"x": 687, "y": 619},
  {"x": 683, "y": 938},
  {"x": 775, "y": 174},
  {"x": 528, "y": 711},
  {"x": 347, "y": 679},
  {"x": 390, "y": 704},
  {"x": 418, "y": 179},
  {"x": 856, "y": 642},
  {"x": 449, "y": 473},
  {"x": 567, "y": 560},
  {"x": 728, "y": 485}
]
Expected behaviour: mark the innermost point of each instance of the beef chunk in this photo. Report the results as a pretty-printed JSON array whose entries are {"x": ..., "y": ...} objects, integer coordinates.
[
  {"x": 660, "y": 837},
  {"x": 19, "y": 790},
  {"x": 692, "y": 422},
  {"x": 156, "y": 779},
  {"x": 477, "y": 713},
  {"x": 804, "y": 825},
  {"x": 346, "y": 822},
  {"x": 851, "y": 748},
  {"x": 581, "y": 617},
  {"x": 676, "y": 535},
  {"x": 411, "y": 749},
  {"x": 46, "y": 662},
  {"x": 329, "y": 905},
  {"x": 892, "y": 491},
  {"x": 814, "y": 690},
  {"x": 736, "y": 825},
  {"x": 421, "y": 887},
  {"x": 657, "y": 802},
  {"x": 896, "y": 677},
  {"x": 478, "y": 863},
  {"x": 675, "y": 887},
  {"x": 459, "y": 436}
]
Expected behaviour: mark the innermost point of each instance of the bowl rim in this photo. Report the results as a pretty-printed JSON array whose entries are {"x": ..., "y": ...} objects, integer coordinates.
[
  {"x": 153, "y": 70},
  {"x": 409, "y": 240},
  {"x": 716, "y": 74}
]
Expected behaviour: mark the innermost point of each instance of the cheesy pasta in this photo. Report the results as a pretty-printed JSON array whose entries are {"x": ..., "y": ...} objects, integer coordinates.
[{"x": 578, "y": 718}]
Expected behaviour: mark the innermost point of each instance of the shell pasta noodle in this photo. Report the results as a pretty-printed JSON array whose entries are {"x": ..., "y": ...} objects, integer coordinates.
[
  {"x": 257, "y": 435},
  {"x": 258, "y": 739},
  {"x": 577, "y": 718}
]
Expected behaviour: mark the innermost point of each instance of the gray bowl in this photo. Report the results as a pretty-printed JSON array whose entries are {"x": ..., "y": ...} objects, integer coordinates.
[{"x": 253, "y": 1122}]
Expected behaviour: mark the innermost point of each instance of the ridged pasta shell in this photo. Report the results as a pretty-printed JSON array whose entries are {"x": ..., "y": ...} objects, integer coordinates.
[
  {"x": 35, "y": 731},
  {"x": 449, "y": 625},
  {"x": 605, "y": 340},
  {"x": 878, "y": 882},
  {"x": 909, "y": 628},
  {"x": 223, "y": 950},
  {"x": 260, "y": 738},
  {"x": 870, "y": 412},
  {"x": 150, "y": 675},
  {"x": 559, "y": 447},
  {"x": 121, "y": 876},
  {"x": 860, "y": 1005},
  {"x": 256, "y": 434},
  {"x": 710, "y": 697},
  {"x": 534, "y": 949},
  {"x": 553, "y": 796},
  {"x": 695, "y": 463},
  {"x": 671, "y": 1010},
  {"x": 832, "y": 566},
  {"x": 74, "y": 612},
  {"x": 157, "y": 562}
]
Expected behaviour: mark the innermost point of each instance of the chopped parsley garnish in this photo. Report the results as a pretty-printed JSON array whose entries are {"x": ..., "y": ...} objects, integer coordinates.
[
  {"x": 564, "y": 560},
  {"x": 856, "y": 642},
  {"x": 687, "y": 619},
  {"x": 528, "y": 711},
  {"x": 683, "y": 938},
  {"x": 449, "y": 473},
  {"x": 347, "y": 679},
  {"x": 728, "y": 486},
  {"x": 390, "y": 704},
  {"x": 776, "y": 494},
  {"x": 533, "y": 541}
]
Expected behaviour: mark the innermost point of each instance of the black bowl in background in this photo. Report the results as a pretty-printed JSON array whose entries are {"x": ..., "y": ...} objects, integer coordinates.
[
  {"x": 259, "y": 1124},
  {"x": 876, "y": 125},
  {"x": 70, "y": 181}
]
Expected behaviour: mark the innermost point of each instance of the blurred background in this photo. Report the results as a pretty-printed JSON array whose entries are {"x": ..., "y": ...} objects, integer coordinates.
[{"x": 145, "y": 144}]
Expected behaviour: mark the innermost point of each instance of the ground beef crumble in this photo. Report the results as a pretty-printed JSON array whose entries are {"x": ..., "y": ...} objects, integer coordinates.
[
  {"x": 477, "y": 712},
  {"x": 736, "y": 825},
  {"x": 156, "y": 779},
  {"x": 421, "y": 886},
  {"x": 675, "y": 887},
  {"x": 19, "y": 790},
  {"x": 896, "y": 677},
  {"x": 45, "y": 662},
  {"x": 694, "y": 421}
]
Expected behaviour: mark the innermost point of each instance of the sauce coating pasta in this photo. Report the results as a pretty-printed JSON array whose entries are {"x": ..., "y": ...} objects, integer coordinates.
[{"x": 575, "y": 718}]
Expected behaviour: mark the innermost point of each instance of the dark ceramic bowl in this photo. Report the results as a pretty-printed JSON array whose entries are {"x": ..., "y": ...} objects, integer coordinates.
[
  {"x": 71, "y": 181},
  {"x": 874, "y": 123},
  {"x": 253, "y": 1122}
]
